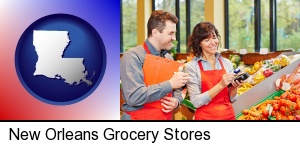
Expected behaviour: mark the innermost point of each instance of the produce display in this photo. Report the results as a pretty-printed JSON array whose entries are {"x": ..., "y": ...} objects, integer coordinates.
[
  {"x": 244, "y": 87},
  {"x": 281, "y": 105},
  {"x": 259, "y": 111},
  {"x": 287, "y": 81},
  {"x": 235, "y": 60},
  {"x": 284, "y": 104},
  {"x": 287, "y": 106},
  {"x": 262, "y": 70}
]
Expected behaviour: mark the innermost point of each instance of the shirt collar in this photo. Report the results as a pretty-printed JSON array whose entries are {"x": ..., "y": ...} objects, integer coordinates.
[
  {"x": 218, "y": 55},
  {"x": 153, "y": 50}
]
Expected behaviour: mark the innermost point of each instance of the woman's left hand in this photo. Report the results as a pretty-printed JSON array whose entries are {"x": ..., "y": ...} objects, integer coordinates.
[{"x": 236, "y": 84}]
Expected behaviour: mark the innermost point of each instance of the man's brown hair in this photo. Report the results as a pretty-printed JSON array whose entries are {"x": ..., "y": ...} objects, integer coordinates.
[{"x": 158, "y": 20}]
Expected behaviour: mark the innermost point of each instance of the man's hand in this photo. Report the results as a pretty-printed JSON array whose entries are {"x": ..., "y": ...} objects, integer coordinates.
[
  {"x": 169, "y": 104},
  {"x": 179, "y": 79}
]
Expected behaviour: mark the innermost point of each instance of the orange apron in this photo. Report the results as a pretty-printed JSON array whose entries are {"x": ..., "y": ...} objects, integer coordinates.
[
  {"x": 220, "y": 107},
  {"x": 150, "y": 111}
]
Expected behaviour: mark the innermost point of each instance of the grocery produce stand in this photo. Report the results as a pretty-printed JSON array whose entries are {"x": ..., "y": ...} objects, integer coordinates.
[
  {"x": 269, "y": 97},
  {"x": 261, "y": 92},
  {"x": 264, "y": 88}
]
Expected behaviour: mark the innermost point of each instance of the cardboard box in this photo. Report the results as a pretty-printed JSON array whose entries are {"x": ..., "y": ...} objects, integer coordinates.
[{"x": 184, "y": 113}]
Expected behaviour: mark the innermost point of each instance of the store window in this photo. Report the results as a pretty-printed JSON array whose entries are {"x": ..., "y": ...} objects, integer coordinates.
[
  {"x": 241, "y": 28},
  {"x": 288, "y": 24},
  {"x": 190, "y": 13},
  {"x": 197, "y": 13},
  {"x": 183, "y": 26},
  {"x": 265, "y": 24},
  {"x": 167, "y": 5},
  {"x": 129, "y": 25},
  {"x": 170, "y": 6},
  {"x": 241, "y": 25}
]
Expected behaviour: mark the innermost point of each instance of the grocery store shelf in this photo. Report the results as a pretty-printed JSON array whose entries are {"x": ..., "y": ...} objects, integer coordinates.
[{"x": 264, "y": 88}]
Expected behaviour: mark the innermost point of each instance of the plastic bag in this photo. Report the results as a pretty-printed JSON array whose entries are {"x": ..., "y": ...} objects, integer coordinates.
[{"x": 286, "y": 81}]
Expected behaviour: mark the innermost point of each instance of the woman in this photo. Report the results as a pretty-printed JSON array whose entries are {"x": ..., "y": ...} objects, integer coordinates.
[{"x": 210, "y": 75}]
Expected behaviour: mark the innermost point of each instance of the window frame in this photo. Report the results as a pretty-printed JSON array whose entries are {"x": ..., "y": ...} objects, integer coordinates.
[
  {"x": 188, "y": 21},
  {"x": 257, "y": 36},
  {"x": 257, "y": 25}
]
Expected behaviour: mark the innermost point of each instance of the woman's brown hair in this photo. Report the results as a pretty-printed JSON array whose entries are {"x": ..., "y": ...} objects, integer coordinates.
[{"x": 200, "y": 32}]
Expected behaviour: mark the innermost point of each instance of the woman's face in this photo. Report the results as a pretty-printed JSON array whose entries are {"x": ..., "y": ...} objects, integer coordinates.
[{"x": 210, "y": 45}]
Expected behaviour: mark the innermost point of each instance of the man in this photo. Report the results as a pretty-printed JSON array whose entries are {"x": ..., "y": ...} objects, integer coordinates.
[{"x": 161, "y": 33}]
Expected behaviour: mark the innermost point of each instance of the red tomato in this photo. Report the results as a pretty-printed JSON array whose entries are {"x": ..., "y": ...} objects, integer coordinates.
[
  {"x": 283, "y": 118},
  {"x": 297, "y": 97},
  {"x": 295, "y": 90},
  {"x": 290, "y": 117},
  {"x": 293, "y": 106},
  {"x": 298, "y": 100},
  {"x": 275, "y": 107},
  {"x": 288, "y": 112},
  {"x": 297, "y": 112},
  {"x": 284, "y": 95},
  {"x": 273, "y": 113},
  {"x": 265, "y": 113},
  {"x": 282, "y": 102},
  {"x": 277, "y": 113},
  {"x": 274, "y": 102},
  {"x": 297, "y": 106},
  {"x": 292, "y": 97},
  {"x": 288, "y": 103},
  {"x": 278, "y": 117},
  {"x": 283, "y": 110}
]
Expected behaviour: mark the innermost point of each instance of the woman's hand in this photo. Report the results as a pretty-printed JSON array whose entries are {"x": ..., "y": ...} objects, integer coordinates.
[
  {"x": 226, "y": 79},
  {"x": 236, "y": 84}
]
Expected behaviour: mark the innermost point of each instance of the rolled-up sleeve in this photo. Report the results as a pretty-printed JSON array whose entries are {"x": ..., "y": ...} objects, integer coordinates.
[
  {"x": 229, "y": 69},
  {"x": 177, "y": 94},
  {"x": 234, "y": 98},
  {"x": 135, "y": 92},
  {"x": 197, "y": 98}
]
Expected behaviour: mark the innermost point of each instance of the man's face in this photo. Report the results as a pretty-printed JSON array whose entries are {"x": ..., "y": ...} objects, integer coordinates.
[{"x": 167, "y": 36}]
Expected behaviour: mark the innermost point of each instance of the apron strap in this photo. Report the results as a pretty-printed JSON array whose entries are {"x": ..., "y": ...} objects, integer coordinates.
[
  {"x": 201, "y": 67},
  {"x": 146, "y": 48}
]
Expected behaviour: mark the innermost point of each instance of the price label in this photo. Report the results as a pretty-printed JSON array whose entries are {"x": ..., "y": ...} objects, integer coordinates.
[
  {"x": 263, "y": 51},
  {"x": 243, "y": 51}
]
